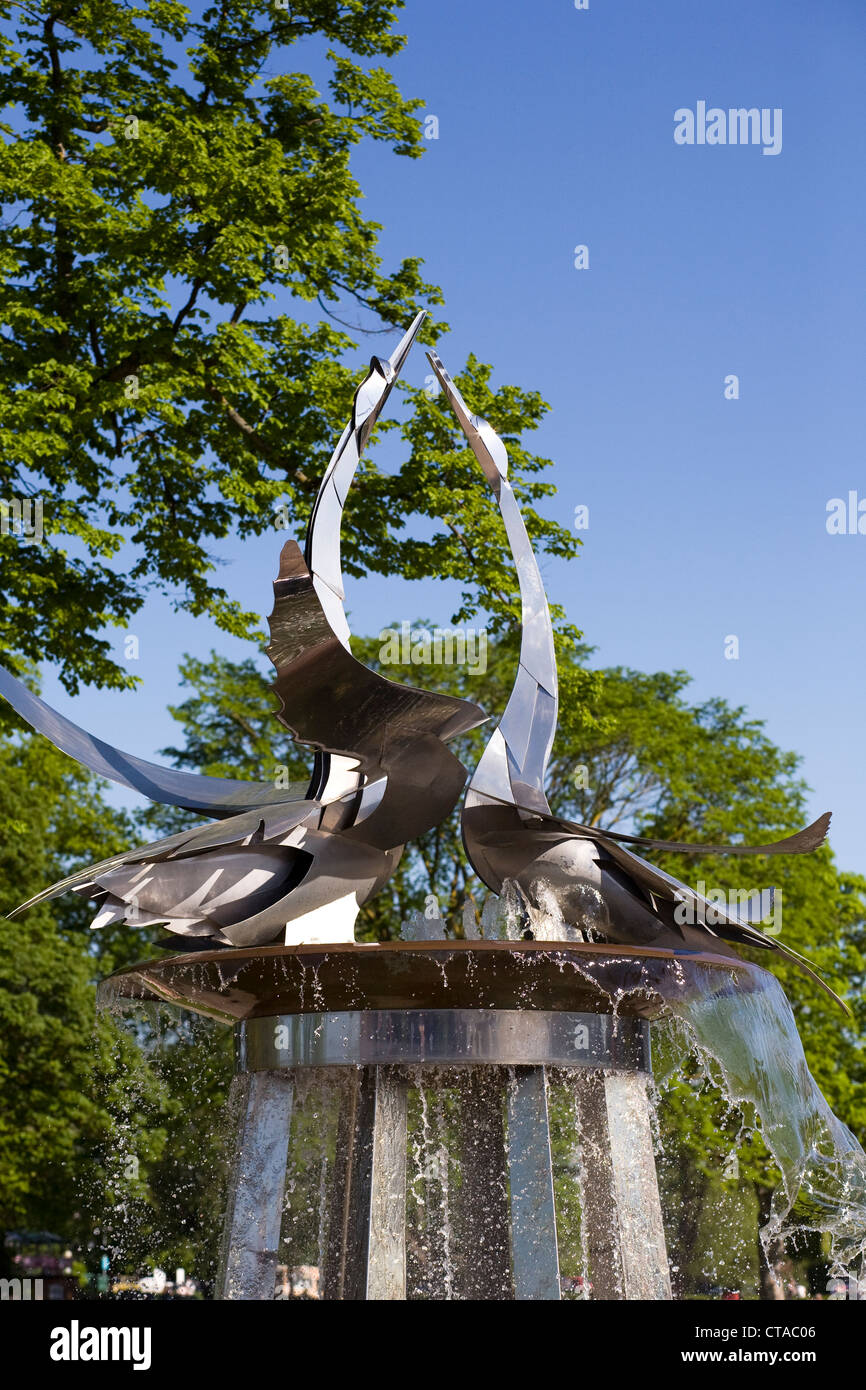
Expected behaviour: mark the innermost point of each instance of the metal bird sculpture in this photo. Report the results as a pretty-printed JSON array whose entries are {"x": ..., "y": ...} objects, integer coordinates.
[
  {"x": 596, "y": 886},
  {"x": 287, "y": 864}
]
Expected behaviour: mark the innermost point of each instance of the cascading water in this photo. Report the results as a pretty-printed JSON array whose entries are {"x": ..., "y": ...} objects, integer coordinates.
[{"x": 750, "y": 1046}]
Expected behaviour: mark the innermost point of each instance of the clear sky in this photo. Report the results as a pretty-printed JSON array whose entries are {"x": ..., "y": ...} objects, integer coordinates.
[{"x": 707, "y": 515}]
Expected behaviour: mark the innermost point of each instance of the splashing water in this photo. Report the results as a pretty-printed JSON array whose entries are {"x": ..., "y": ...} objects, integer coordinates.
[
  {"x": 744, "y": 1033},
  {"x": 749, "y": 1037}
]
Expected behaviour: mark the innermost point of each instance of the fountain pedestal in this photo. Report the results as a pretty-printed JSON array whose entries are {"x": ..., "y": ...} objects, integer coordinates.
[{"x": 495, "y": 1038}]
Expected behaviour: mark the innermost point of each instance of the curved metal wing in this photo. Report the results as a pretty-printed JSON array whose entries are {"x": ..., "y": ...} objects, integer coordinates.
[
  {"x": 513, "y": 765},
  {"x": 804, "y": 841},
  {"x": 386, "y": 741},
  {"x": 221, "y": 796},
  {"x": 524, "y": 728},
  {"x": 245, "y": 828},
  {"x": 801, "y": 842},
  {"x": 334, "y": 776},
  {"x": 322, "y": 550}
]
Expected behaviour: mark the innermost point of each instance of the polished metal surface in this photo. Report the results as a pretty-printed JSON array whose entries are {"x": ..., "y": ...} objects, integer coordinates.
[
  {"x": 217, "y": 795},
  {"x": 597, "y": 885},
  {"x": 347, "y": 1237},
  {"x": 514, "y": 763},
  {"x": 534, "y": 1244},
  {"x": 590, "y": 1159},
  {"x": 481, "y": 1263},
  {"x": 251, "y": 1234},
  {"x": 443, "y": 1037},
  {"x": 322, "y": 552},
  {"x": 334, "y": 703},
  {"x": 574, "y": 976}
]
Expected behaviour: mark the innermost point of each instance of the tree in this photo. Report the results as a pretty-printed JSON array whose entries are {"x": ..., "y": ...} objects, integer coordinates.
[
  {"x": 170, "y": 225},
  {"x": 110, "y": 1127},
  {"x": 60, "y": 1067}
]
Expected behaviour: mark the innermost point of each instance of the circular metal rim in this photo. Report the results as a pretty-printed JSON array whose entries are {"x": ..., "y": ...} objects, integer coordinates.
[
  {"x": 444, "y": 1037},
  {"x": 234, "y": 985}
]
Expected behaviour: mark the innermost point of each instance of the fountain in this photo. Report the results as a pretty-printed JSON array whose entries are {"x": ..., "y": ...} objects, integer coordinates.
[
  {"x": 431, "y": 1117},
  {"x": 488, "y": 1028}
]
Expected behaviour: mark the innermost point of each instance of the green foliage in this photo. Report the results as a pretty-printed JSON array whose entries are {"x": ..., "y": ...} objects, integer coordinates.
[
  {"x": 154, "y": 210},
  {"x": 58, "y": 1064},
  {"x": 169, "y": 222},
  {"x": 106, "y": 1138},
  {"x": 165, "y": 1171}
]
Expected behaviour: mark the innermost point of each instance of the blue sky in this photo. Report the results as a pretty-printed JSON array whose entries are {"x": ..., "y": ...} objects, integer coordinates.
[{"x": 707, "y": 515}]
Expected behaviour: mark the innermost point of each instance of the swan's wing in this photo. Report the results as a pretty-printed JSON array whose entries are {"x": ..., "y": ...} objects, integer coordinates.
[
  {"x": 803, "y": 841},
  {"x": 322, "y": 550},
  {"x": 221, "y": 796},
  {"x": 385, "y": 740},
  {"x": 333, "y": 776},
  {"x": 513, "y": 766},
  {"x": 727, "y": 925},
  {"x": 257, "y": 826}
]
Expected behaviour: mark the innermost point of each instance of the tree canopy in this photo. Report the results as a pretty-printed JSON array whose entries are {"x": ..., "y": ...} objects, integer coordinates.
[{"x": 179, "y": 210}]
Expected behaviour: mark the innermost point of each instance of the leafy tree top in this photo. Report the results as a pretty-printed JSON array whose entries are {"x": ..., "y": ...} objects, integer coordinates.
[{"x": 179, "y": 205}]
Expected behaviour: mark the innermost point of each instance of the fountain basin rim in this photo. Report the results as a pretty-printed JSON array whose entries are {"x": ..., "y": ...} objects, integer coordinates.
[{"x": 237, "y": 984}]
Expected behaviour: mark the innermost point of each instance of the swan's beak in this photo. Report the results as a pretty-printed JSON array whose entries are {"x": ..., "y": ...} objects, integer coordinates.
[
  {"x": 401, "y": 351},
  {"x": 483, "y": 439},
  {"x": 374, "y": 391}
]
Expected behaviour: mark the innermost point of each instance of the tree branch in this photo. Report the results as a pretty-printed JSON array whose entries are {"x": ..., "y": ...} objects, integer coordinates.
[
  {"x": 251, "y": 434},
  {"x": 354, "y": 327},
  {"x": 187, "y": 307}
]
